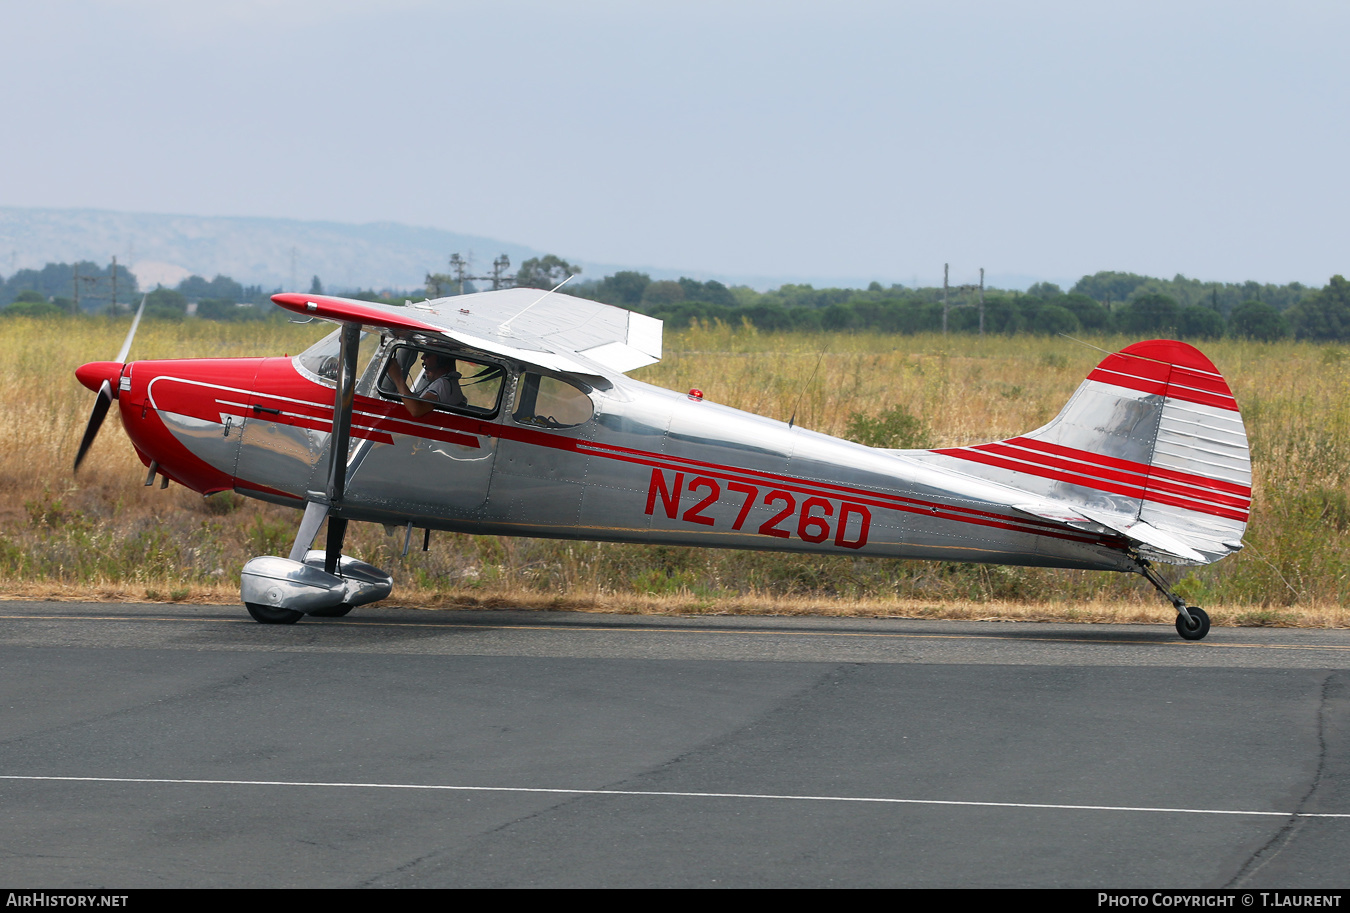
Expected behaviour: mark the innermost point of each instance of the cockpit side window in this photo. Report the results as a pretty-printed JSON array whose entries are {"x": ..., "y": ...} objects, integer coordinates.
[
  {"x": 549, "y": 402},
  {"x": 447, "y": 380}
]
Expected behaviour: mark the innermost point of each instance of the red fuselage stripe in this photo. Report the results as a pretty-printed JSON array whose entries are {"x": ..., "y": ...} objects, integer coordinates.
[
  {"x": 869, "y": 499},
  {"x": 365, "y": 406},
  {"x": 896, "y": 502}
]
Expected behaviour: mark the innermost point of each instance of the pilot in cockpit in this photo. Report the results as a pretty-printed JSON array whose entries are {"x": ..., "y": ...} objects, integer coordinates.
[{"x": 439, "y": 384}]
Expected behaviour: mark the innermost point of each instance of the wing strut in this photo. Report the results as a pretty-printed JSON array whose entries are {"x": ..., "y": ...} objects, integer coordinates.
[
  {"x": 343, "y": 397},
  {"x": 316, "y": 510}
]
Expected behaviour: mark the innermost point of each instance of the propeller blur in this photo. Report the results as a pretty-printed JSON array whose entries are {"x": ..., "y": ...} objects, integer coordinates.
[{"x": 99, "y": 376}]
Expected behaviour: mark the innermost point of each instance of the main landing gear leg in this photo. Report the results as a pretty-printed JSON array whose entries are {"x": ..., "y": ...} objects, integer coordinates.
[
  {"x": 337, "y": 532},
  {"x": 1192, "y": 622},
  {"x": 332, "y": 557}
]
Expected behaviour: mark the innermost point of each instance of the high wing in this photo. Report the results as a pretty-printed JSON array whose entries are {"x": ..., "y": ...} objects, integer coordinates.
[{"x": 551, "y": 330}]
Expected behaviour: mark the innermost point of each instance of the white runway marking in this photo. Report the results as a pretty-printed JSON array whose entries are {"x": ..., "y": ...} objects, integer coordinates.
[{"x": 679, "y": 795}]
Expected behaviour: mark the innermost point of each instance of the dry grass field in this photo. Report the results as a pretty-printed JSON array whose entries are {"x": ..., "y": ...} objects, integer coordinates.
[{"x": 104, "y": 535}]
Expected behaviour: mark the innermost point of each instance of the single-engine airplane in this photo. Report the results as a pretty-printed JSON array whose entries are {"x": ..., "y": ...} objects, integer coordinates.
[{"x": 543, "y": 434}]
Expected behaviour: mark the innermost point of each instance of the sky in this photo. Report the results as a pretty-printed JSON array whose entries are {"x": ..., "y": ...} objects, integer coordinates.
[{"x": 861, "y": 140}]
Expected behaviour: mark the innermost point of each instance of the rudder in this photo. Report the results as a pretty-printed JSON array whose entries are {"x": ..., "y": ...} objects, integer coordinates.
[{"x": 1151, "y": 445}]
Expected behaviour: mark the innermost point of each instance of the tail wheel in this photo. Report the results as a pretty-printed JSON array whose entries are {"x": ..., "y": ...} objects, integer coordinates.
[
  {"x": 272, "y": 615},
  {"x": 1199, "y": 626}
]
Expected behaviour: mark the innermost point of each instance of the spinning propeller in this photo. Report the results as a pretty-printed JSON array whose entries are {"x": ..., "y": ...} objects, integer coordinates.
[{"x": 101, "y": 377}]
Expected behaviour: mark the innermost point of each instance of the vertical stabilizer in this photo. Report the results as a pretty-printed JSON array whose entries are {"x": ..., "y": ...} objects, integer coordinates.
[{"x": 1151, "y": 445}]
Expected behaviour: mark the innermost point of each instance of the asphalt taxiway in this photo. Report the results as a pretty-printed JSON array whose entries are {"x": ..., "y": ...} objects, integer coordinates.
[{"x": 165, "y": 745}]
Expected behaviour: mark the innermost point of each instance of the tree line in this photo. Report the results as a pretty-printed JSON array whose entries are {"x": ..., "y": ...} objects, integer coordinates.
[
  {"x": 1103, "y": 302},
  {"x": 87, "y": 288}
]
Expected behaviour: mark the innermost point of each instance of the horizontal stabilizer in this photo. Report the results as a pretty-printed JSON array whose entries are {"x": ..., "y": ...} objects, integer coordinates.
[{"x": 1157, "y": 543}]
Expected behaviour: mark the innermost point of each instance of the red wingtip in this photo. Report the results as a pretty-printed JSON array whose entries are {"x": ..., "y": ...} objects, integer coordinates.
[
  {"x": 291, "y": 300},
  {"x": 344, "y": 310}
]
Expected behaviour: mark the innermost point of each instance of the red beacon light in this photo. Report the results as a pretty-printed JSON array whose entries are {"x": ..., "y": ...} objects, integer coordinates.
[{"x": 696, "y": 394}]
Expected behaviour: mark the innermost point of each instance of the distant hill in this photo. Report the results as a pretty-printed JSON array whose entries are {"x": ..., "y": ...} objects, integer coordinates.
[
  {"x": 167, "y": 248},
  {"x": 256, "y": 251}
]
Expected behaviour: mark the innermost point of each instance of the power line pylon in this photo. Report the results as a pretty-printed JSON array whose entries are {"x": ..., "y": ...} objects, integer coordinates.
[
  {"x": 459, "y": 274},
  {"x": 499, "y": 267},
  {"x": 960, "y": 288}
]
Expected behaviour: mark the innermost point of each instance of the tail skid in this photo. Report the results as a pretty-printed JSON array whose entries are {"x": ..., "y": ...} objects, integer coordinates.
[{"x": 1151, "y": 446}]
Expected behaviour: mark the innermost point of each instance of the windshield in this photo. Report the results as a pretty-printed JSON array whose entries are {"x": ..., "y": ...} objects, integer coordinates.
[{"x": 321, "y": 359}]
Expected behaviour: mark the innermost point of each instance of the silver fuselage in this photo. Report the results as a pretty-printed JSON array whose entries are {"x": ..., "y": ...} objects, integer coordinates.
[{"x": 649, "y": 466}]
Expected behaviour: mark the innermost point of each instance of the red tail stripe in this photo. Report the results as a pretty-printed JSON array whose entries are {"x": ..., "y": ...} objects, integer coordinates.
[
  {"x": 1158, "y": 388},
  {"x": 1209, "y": 383},
  {"x": 1175, "y": 475},
  {"x": 1199, "y": 490},
  {"x": 1129, "y": 381},
  {"x": 1136, "y": 367},
  {"x": 1129, "y": 491},
  {"x": 1160, "y": 372}
]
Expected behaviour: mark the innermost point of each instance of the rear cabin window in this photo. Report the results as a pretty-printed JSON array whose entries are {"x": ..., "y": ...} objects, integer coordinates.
[{"x": 551, "y": 403}]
